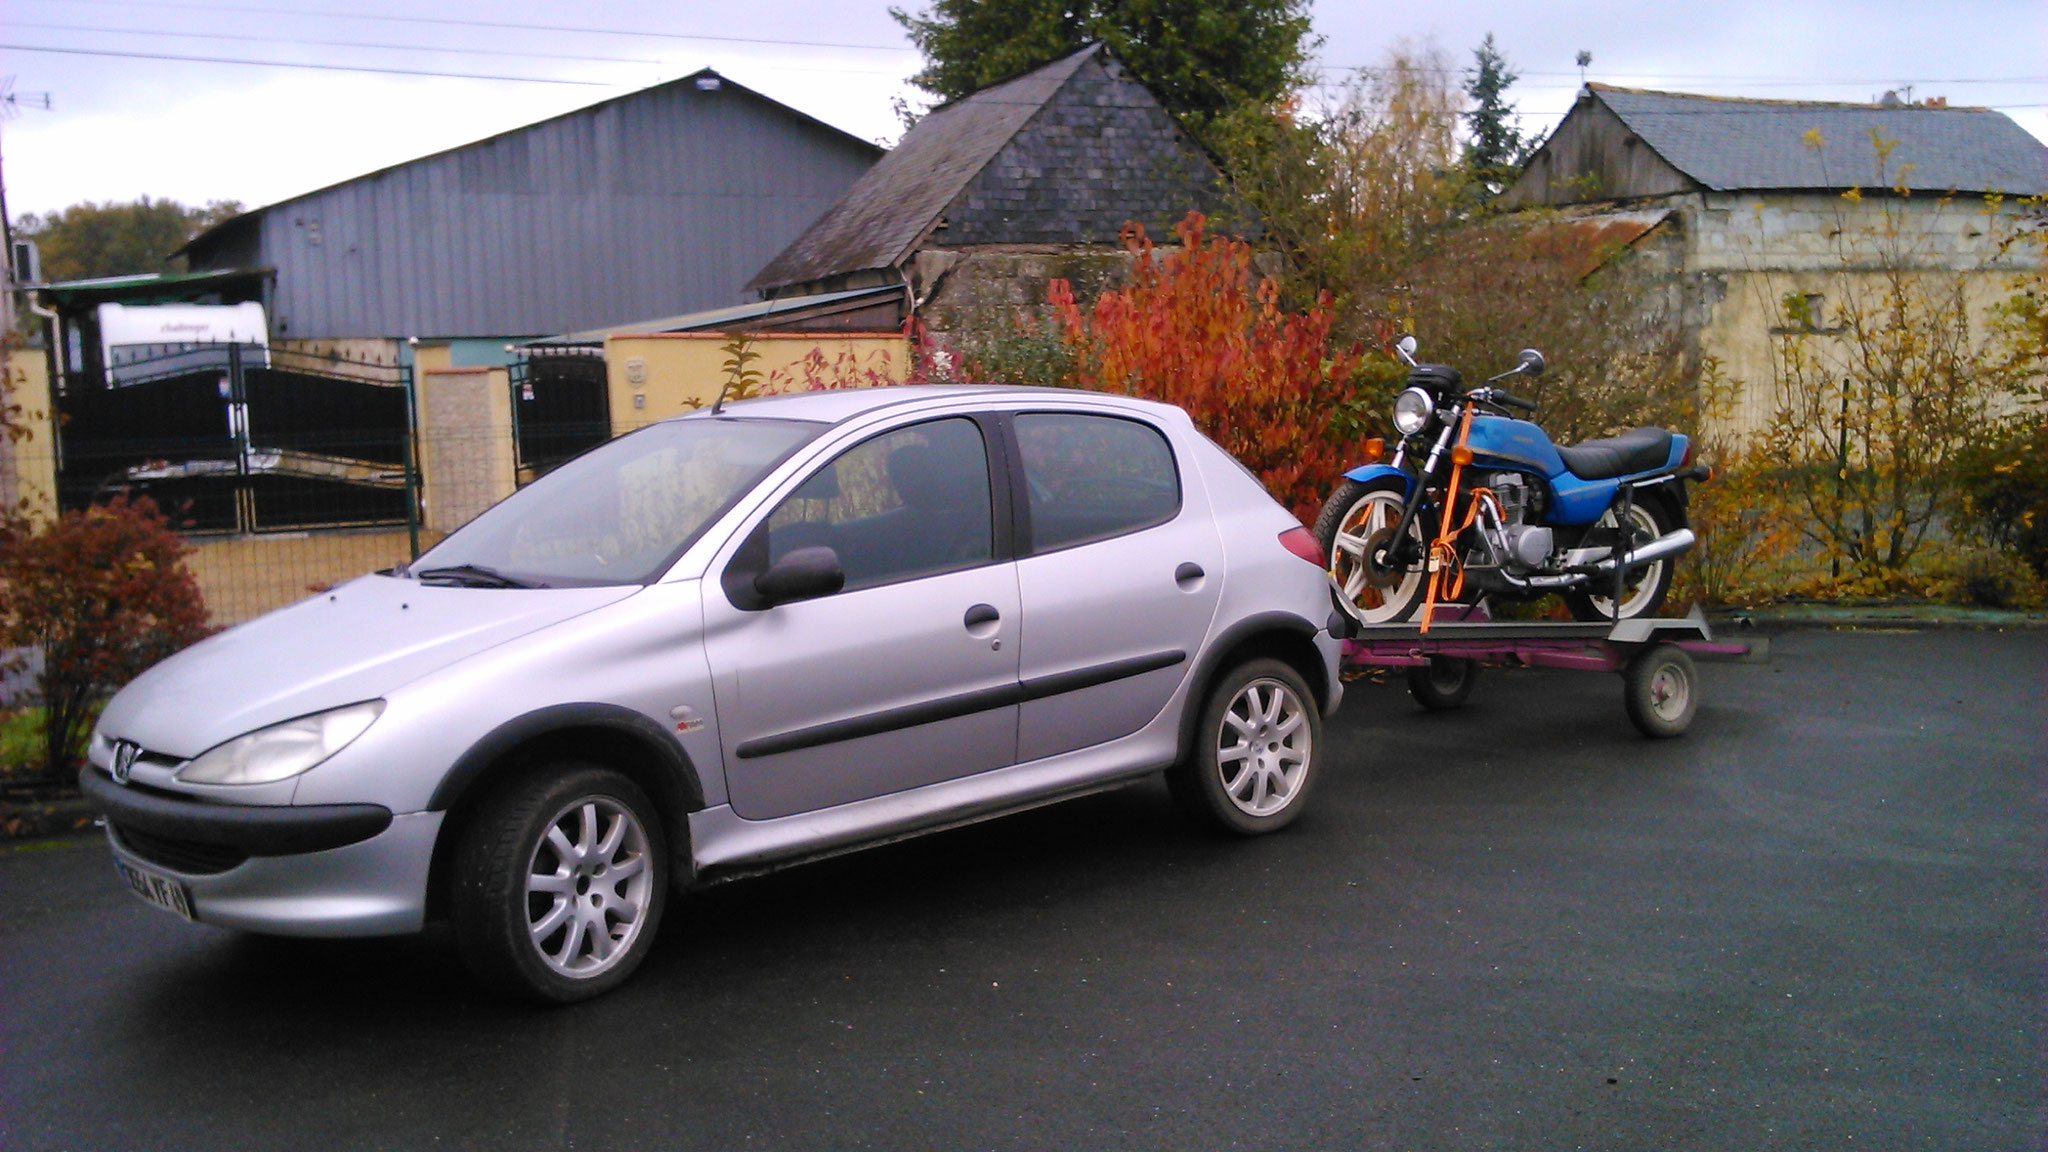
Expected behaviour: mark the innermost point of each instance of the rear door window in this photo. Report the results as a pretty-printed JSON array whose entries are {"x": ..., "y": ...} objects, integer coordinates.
[{"x": 1092, "y": 477}]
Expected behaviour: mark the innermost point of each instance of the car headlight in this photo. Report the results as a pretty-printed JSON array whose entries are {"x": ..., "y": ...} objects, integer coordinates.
[
  {"x": 281, "y": 751},
  {"x": 1411, "y": 411}
]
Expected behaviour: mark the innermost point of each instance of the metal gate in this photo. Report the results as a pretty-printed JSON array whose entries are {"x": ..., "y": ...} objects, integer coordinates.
[
  {"x": 559, "y": 406},
  {"x": 240, "y": 438}
]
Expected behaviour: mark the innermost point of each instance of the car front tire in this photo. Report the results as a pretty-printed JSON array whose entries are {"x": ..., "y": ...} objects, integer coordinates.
[
  {"x": 1254, "y": 760},
  {"x": 559, "y": 884}
]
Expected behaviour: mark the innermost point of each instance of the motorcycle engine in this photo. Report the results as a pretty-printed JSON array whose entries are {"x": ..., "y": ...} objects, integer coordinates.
[{"x": 1524, "y": 545}]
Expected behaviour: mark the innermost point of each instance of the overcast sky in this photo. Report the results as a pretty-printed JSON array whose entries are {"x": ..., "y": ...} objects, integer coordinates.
[{"x": 124, "y": 126}]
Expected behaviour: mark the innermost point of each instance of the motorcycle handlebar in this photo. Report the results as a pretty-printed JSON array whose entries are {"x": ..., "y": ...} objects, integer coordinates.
[{"x": 1496, "y": 396}]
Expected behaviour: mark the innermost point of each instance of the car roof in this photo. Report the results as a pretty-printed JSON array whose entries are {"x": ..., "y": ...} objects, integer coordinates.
[{"x": 834, "y": 406}]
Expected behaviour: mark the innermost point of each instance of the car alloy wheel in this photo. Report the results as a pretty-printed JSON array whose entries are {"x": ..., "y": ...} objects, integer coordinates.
[
  {"x": 559, "y": 882},
  {"x": 1254, "y": 763},
  {"x": 587, "y": 886}
]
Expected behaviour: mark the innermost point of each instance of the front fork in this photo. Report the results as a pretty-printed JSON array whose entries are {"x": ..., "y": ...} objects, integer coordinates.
[{"x": 1400, "y": 551}]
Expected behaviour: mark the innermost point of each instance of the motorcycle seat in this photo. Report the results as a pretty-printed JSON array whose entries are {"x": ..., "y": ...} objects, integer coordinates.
[{"x": 1636, "y": 450}]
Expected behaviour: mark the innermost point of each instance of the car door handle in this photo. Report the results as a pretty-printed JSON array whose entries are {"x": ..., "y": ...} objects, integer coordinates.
[
  {"x": 981, "y": 614},
  {"x": 1187, "y": 574}
]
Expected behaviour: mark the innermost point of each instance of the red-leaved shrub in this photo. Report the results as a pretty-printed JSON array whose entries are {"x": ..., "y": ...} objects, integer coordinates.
[
  {"x": 1194, "y": 327},
  {"x": 103, "y": 593}
]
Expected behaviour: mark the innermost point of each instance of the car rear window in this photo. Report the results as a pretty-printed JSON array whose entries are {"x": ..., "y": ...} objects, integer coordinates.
[{"x": 1092, "y": 477}]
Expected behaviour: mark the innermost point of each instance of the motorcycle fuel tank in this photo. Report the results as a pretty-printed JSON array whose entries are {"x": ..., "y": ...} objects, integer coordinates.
[{"x": 1515, "y": 441}]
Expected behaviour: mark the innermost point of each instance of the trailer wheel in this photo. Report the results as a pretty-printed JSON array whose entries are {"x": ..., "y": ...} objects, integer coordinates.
[
  {"x": 1661, "y": 689},
  {"x": 1443, "y": 683}
]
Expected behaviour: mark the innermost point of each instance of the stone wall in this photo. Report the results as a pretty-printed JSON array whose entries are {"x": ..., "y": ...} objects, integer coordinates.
[
  {"x": 1744, "y": 255},
  {"x": 965, "y": 289}
]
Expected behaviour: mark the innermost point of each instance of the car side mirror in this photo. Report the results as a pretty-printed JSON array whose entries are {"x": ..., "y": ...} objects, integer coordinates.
[
  {"x": 804, "y": 574},
  {"x": 1529, "y": 362}
]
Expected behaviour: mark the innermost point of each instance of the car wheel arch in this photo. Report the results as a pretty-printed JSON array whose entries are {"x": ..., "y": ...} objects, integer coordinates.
[
  {"x": 606, "y": 734},
  {"x": 1280, "y": 635}
]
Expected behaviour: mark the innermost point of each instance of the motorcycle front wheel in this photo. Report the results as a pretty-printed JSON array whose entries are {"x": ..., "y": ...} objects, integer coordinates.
[
  {"x": 1643, "y": 589},
  {"x": 1357, "y": 519}
]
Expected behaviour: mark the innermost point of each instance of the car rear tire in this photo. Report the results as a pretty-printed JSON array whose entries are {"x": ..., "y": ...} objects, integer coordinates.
[
  {"x": 559, "y": 884},
  {"x": 1253, "y": 763}
]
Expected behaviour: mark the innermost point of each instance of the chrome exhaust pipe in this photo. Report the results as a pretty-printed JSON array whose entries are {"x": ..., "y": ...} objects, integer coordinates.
[
  {"x": 1667, "y": 545},
  {"x": 1655, "y": 550}
]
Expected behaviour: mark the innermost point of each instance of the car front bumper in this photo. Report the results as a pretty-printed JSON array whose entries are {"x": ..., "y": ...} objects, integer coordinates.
[{"x": 328, "y": 870}]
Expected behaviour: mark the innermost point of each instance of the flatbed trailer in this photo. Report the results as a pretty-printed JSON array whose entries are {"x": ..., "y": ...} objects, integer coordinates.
[{"x": 1660, "y": 685}]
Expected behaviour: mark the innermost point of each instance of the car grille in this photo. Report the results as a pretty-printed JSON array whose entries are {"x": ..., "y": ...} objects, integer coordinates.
[{"x": 192, "y": 857}]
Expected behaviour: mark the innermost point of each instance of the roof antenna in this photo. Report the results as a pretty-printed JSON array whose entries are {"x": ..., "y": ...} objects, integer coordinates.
[
  {"x": 1585, "y": 61},
  {"x": 718, "y": 405}
]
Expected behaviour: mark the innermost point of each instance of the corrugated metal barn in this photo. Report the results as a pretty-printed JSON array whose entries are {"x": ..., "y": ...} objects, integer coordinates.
[{"x": 660, "y": 202}]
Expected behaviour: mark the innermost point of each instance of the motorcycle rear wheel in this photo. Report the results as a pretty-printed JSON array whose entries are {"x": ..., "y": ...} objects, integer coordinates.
[
  {"x": 1644, "y": 589},
  {"x": 1354, "y": 515}
]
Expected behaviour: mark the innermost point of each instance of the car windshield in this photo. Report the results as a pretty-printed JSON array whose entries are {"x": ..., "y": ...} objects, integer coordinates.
[{"x": 620, "y": 513}]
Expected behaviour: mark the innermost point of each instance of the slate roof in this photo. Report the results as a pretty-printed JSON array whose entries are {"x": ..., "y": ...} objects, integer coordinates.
[
  {"x": 1062, "y": 155},
  {"x": 1730, "y": 144}
]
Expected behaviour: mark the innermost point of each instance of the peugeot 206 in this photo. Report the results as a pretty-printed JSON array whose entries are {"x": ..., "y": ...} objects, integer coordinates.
[{"x": 727, "y": 642}]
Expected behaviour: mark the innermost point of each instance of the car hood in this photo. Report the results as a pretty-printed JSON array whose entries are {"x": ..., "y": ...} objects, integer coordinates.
[{"x": 357, "y": 642}]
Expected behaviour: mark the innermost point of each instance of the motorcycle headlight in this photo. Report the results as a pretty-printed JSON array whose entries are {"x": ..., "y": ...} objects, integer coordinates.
[
  {"x": 281, "y": 751},
  {"x": 1411, "y": 411}
]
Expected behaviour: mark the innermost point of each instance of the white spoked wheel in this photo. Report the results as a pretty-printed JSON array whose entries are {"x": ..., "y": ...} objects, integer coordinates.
[
  {"x": 1643, "y": 589},
  {"x": 1355, "y": 526},
  {"x": 1255, "y": 762}
]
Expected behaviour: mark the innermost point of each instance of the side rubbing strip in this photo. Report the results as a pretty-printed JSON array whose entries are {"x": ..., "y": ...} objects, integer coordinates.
[
  {"x": 1040, "y": 687},
  {"x": 876, "y": 723},
  {"x": 950, "y": 707}
]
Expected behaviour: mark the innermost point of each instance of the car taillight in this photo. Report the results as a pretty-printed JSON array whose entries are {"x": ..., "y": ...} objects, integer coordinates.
[{"x": 1302, "y": 543}]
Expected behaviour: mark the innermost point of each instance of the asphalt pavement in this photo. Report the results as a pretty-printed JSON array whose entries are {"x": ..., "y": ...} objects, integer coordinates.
[{"x": 1812, "y": 922}]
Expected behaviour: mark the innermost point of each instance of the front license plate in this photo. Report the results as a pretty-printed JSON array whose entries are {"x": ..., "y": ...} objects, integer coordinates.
[{"x": 161, "y": 891}]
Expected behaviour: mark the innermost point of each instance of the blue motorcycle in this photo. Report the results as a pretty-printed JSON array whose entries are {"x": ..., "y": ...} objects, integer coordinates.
[{"x": 1476, "y": 502}]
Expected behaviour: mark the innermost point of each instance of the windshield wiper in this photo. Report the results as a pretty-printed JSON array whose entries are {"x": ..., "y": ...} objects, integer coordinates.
[{"x": 469, "y": 576}]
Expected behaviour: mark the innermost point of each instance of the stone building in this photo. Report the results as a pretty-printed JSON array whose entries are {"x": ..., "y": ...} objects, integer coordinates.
[
  {"x": 1777, "y": 214},
  {"x": 989, "y": 197}
]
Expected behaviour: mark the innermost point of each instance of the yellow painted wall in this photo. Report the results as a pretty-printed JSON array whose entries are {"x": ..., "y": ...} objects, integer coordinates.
[
  {"x": 28, "y": 468},
  {"x": 242, "y": 577},
  {"x": 1762, "y": 250},
  {"x": 1742, "y": 338},
  {"x": 655, "y": 376}
]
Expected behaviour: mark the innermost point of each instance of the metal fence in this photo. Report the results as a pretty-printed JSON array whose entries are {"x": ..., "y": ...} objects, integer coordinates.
[
  {"x": 240, "y": 438},
  {"x": 289, "y": 471},
  {"x": 559, "y": 406}
]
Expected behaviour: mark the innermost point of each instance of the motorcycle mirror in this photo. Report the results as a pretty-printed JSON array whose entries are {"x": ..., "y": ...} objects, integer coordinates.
[
  {"x": 1406, "y": 344},
  {"x": 1530, "y": 362}
]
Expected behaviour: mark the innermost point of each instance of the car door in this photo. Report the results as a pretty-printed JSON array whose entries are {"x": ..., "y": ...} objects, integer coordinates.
[
  {"x": 1120, "y": 568},
  {"x": 905, "y": 677}
]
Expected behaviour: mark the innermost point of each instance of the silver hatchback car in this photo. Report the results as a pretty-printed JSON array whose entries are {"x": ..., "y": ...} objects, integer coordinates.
[{"x": 724, "y": 643}]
